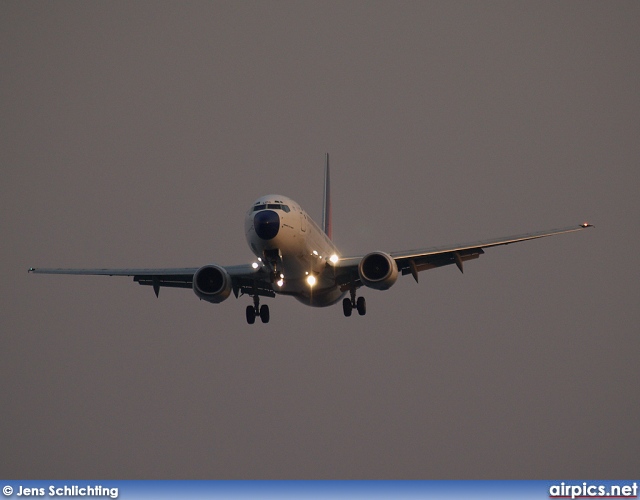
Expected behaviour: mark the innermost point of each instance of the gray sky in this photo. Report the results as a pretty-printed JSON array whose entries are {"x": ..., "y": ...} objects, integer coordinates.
[{"x": 137, "y": 134}]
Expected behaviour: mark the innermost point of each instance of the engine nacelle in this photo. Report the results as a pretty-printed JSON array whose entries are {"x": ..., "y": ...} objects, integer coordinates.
[
  {"x": 378, "y": 270},
  {"x": 212, "y": 283}
]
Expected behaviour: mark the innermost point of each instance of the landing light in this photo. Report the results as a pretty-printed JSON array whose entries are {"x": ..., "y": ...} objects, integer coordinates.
[
  {"x": 315, "y": 252},
  {"x": 254, "y": 265},
  {"x": 334, "y": 259},
  {"x": 311, "y": 279},
  {"x": 280, "y": 282}
]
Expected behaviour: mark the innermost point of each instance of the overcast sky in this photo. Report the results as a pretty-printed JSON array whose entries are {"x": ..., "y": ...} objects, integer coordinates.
[{"x": 136, "y": 134}]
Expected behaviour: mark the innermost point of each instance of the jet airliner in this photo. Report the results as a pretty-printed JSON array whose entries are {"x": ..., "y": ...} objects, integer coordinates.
[{"x": 297, "y": 257}]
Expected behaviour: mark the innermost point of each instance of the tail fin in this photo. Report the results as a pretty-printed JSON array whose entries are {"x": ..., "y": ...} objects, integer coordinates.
[{"x": 326, "y": 200}]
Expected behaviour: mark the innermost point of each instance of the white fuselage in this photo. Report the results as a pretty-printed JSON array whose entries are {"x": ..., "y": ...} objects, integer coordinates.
[{"x": 293, "y": 248}]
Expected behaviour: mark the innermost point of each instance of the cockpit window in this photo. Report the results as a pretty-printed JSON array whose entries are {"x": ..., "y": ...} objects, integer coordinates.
[{"x": 273, "y": 206}]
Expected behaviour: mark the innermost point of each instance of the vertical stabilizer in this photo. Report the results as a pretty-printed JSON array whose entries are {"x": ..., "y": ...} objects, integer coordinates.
[{"x": 326, "y": 200}]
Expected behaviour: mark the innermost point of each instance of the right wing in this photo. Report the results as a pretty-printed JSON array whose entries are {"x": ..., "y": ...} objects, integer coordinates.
[{"x": 245, "y": 279}]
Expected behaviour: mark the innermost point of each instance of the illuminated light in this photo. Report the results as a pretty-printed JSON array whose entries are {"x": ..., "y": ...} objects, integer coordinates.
[
  {"x": 254, "y": 265},
  {"x": 281, "y": 275},
  {"x": 259, "y": 259},
  {"x": 586, "y": 224},
  {"x": 306, "y": 272},
  {"x": 334, "y": 259},
  {"x": 315, "y": 252},
  {"x": 280, "y": 282},
  {"x": 311, "y": 279}
]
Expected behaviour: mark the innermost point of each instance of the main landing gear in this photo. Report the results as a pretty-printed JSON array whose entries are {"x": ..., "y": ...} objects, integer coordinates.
[
  {"x": 257, "y": 310},
  {"x": 348, "y": 304}
]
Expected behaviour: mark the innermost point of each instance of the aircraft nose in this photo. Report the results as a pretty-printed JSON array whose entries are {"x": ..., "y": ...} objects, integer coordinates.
[{"x": 266, "y": 224}]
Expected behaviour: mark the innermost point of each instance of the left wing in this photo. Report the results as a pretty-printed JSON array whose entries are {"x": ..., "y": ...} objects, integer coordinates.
[
  {"x": 414, "y": 261},
  {"x": 243, "y": 277}
]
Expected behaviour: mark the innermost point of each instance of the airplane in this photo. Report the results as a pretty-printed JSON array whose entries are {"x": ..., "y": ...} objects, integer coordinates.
[{"x": 296, "y": 257}]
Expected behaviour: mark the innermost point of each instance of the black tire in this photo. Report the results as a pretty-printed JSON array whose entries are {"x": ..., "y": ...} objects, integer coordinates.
[
  {"x": 251, "y": 315},
  {"x": 264, "y": 313},
  {"x": 346, "y": 307},
  {"x": 361, "y": 305}
]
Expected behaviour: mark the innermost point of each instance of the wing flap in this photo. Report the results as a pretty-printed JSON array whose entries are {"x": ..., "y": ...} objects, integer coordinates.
[
  {"x": 414, "y": 265},
  {"x": 171, "y": 281}
]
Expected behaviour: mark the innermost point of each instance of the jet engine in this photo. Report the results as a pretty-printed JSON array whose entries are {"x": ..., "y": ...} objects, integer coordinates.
[
  {"x": 378, "y": 270},
  {"x": 212, "y": 283}
]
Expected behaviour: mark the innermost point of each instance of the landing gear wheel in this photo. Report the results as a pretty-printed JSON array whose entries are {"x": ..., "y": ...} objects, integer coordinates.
[
  {"x": 264, "y": 313},
  {"x": 361, "y": 305},
  {"x": 251, "y": 315},
  {"x": 346, "y": 307}
]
